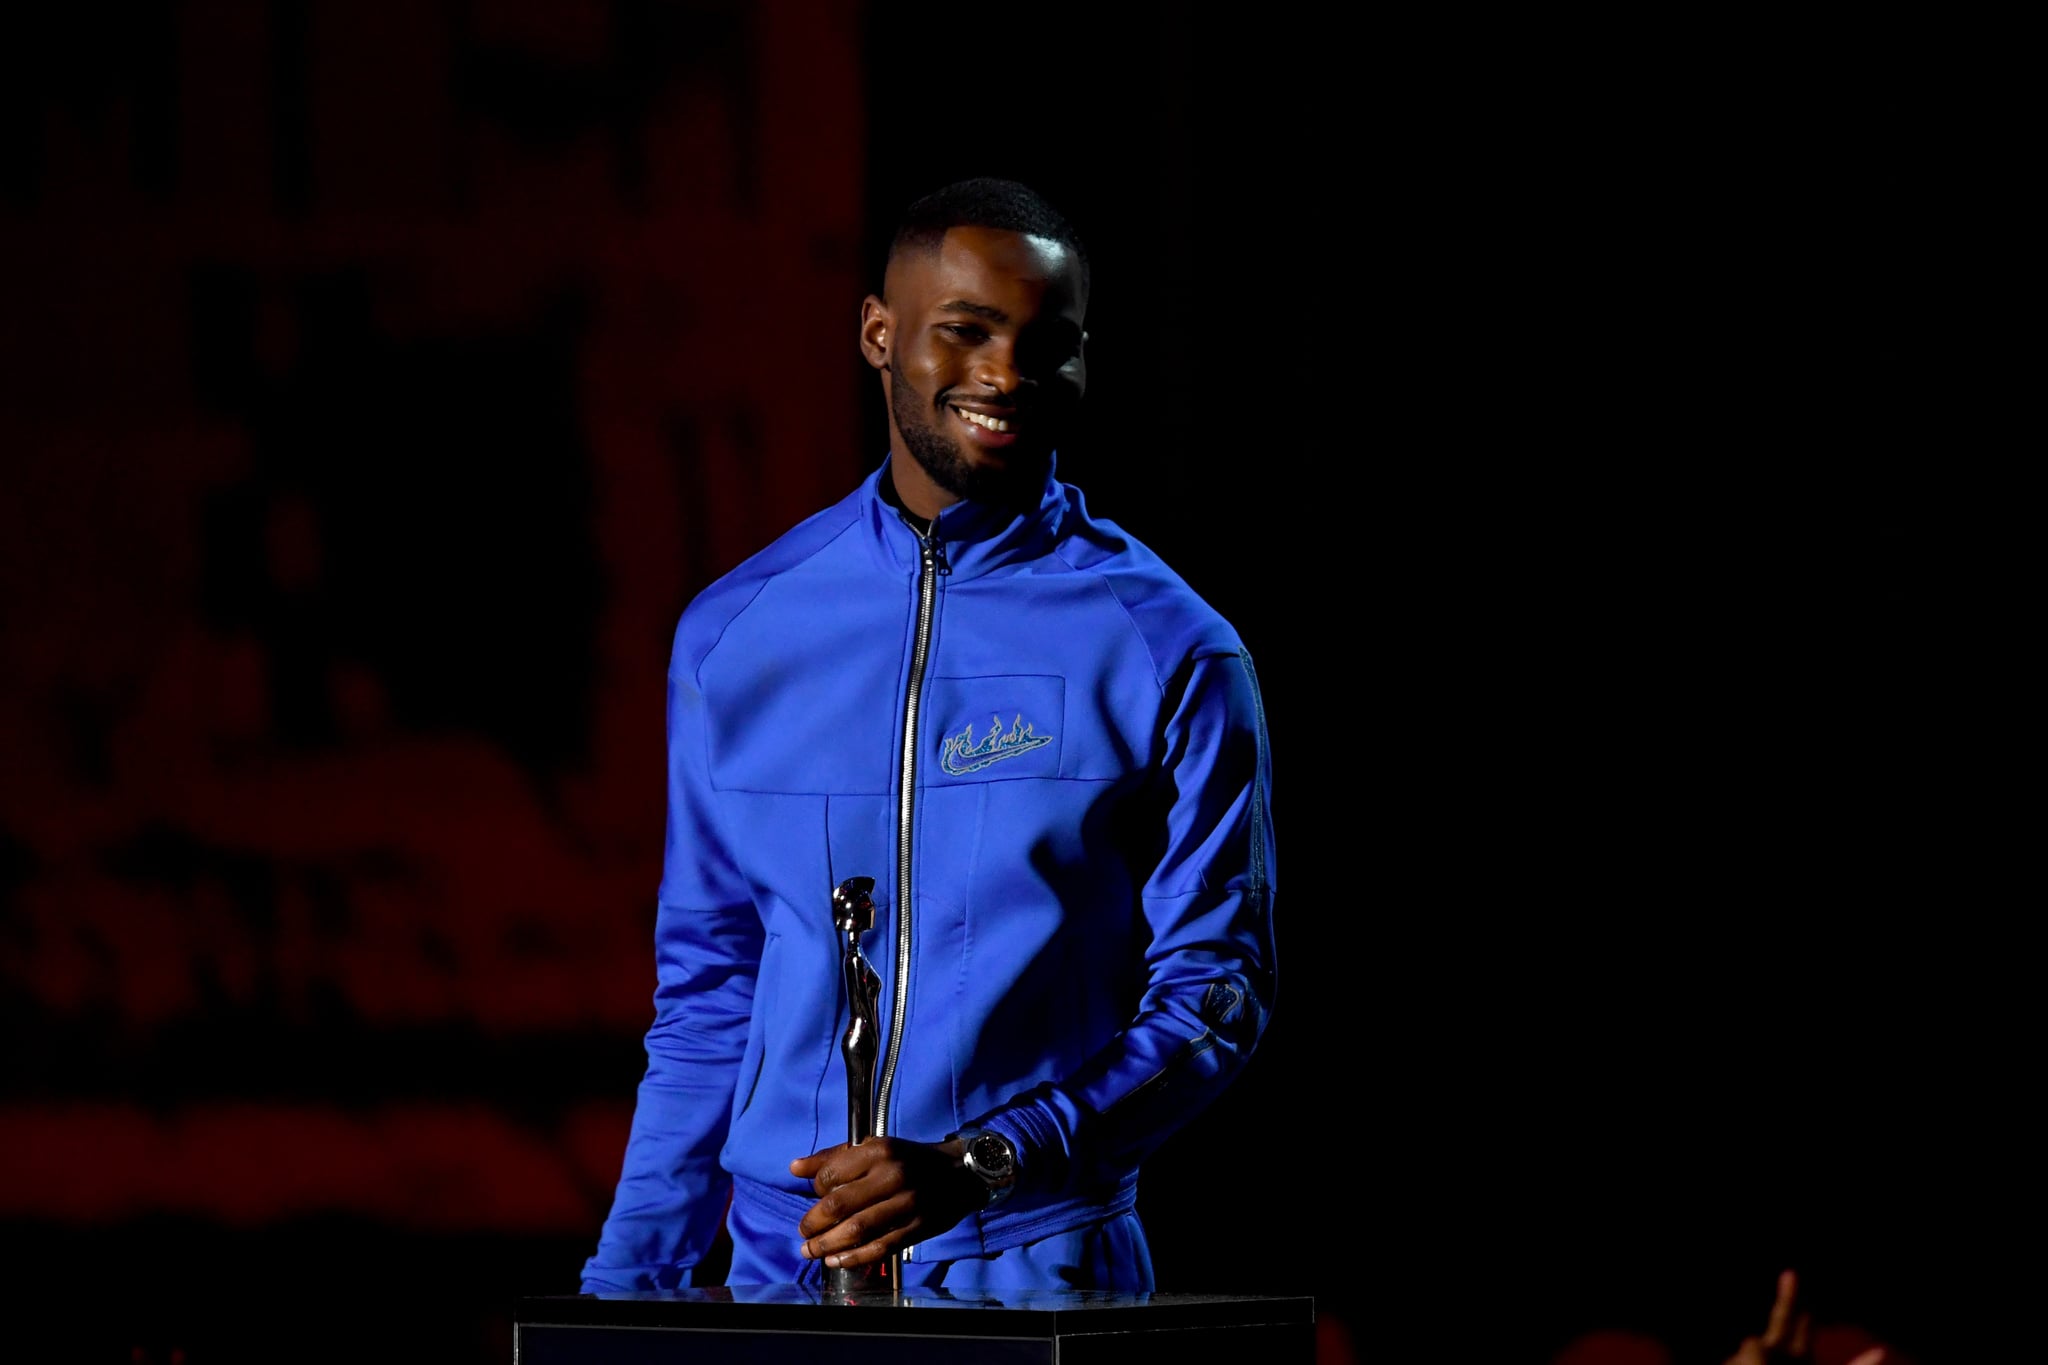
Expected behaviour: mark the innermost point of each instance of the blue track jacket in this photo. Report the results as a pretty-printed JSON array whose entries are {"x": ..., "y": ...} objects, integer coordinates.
[{"x": 1050, "y": 755}]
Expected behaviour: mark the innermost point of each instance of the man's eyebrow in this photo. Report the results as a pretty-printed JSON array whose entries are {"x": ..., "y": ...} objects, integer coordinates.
[{"x": 979, "y": 310}]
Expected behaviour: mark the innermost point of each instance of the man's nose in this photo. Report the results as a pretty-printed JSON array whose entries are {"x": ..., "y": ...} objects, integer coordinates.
[{"x": 997, "y": 370}]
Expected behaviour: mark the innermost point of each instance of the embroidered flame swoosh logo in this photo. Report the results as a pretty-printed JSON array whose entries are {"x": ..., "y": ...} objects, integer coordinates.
[{"x": 963, "y": 753}]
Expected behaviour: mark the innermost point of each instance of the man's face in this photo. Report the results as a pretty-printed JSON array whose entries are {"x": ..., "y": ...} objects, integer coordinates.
[{"x": 980, "y": 348}]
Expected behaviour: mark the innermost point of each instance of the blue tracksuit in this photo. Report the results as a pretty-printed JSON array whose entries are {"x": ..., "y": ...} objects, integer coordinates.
[{"x": 1050, "y": 756}]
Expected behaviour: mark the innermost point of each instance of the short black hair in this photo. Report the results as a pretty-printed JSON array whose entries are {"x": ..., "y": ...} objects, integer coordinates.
[{"x": 985, "y": 202}]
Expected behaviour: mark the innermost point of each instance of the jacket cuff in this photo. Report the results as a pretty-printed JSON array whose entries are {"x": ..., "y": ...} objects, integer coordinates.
[{"x": 1041, "y": 1154}]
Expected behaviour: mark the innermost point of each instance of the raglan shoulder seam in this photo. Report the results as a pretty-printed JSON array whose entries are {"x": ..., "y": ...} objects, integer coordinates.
[{"x": 762, "y": 579}]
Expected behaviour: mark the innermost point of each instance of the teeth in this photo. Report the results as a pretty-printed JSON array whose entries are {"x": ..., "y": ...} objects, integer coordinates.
[{"x": 992, "y": 423}]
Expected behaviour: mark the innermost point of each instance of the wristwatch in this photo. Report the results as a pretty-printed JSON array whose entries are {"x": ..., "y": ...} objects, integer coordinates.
[{"x": 990, "y": 1157}]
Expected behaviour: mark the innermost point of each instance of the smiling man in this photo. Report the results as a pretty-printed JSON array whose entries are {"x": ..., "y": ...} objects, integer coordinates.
[
  {"x": 978, "y": 335},
  {"x": 1046, "y": 757}
]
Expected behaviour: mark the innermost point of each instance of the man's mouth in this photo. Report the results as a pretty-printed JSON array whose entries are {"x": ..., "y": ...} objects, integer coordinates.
[
  {"x": 985, "y": 420},
  {"x": 991, "y": 431}
]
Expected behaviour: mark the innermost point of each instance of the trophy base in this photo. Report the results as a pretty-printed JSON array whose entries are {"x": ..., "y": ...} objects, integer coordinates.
[{"x": 865, "y": 1281}]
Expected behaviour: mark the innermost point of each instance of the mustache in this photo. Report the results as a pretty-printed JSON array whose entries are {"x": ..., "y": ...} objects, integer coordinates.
[{"x": 1011, "y": 406}]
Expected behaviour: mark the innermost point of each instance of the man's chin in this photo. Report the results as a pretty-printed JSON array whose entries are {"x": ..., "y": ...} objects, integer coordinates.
[{"x": 1015, "y": 480}]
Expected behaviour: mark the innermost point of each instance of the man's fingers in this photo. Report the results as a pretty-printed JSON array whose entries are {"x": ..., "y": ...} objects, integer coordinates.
[
  {"x": 877, "y": 1248},
  {"x": 845, "y": 1194},
  {"x": 834, "y": 1167},
  {"x": 857, "y": 1181},
  {"x": 867, "y": 1253},
  {"x": 838, "y": 1205},
  {"x": 867, "y": 1234},
  {"x": 807, "y": 1167}
]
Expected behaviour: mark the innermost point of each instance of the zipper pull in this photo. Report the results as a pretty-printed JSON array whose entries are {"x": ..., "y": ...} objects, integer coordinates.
[{"x": 934, "y": 553}]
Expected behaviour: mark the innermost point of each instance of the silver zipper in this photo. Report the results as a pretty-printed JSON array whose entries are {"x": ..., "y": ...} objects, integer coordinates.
[{"x": 933, "y": 563}]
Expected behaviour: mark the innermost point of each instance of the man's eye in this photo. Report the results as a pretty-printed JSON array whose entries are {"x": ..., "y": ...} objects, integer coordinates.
[
  {"x": 1052, "y": 352},
  {"x": 965, "y": 331}
]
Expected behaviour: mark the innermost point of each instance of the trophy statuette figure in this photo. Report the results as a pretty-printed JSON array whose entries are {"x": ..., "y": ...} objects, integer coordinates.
[{"x": 853, "y": 912}]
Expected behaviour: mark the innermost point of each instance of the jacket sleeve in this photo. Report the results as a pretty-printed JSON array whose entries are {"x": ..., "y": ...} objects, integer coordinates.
[
  {"x": 671, "y": 1197},
  {"x": 1210, "y": 964}
]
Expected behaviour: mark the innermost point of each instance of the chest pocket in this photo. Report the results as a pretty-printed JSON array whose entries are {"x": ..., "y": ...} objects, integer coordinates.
[{"x": 996, "y": 728}]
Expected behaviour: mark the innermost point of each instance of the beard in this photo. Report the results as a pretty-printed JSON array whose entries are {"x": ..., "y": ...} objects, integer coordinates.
[{"x": 1016, "y": 483}]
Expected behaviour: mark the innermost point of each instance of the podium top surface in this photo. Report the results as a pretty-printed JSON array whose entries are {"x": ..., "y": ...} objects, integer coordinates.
[{"x": 1042, "y": 1313}]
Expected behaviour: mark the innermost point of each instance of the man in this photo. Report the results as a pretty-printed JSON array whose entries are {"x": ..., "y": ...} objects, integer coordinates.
[{"x": 1050, "y": 757}]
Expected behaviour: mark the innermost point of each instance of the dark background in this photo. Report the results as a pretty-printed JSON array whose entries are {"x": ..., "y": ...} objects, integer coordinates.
[{"x": 1569, "y": 418}]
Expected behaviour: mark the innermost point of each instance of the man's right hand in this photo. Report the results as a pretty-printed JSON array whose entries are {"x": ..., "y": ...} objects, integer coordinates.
[{"x": 883, "y": 1195}]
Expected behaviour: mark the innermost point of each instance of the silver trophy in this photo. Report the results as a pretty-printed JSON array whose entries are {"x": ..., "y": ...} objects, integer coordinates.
[{"x": 853, "y": 911}]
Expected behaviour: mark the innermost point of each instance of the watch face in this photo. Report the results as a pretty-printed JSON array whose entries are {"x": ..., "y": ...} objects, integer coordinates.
[{"x": 990, "y": 1156}]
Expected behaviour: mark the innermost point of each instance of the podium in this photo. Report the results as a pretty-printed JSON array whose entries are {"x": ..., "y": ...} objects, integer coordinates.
[{"x": 785, "y": 1324}]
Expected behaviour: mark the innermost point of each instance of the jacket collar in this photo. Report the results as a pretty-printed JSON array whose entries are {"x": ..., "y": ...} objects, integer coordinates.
[{"x": 976, "y": 538}]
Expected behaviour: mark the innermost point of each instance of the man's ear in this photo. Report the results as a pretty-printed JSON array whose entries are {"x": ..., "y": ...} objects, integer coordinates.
[{"x": 877, "y": 330}]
